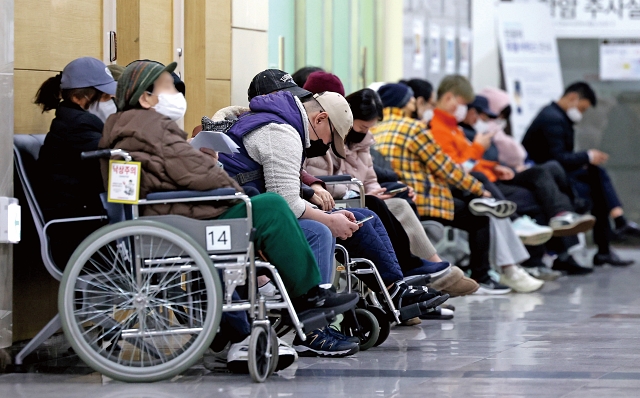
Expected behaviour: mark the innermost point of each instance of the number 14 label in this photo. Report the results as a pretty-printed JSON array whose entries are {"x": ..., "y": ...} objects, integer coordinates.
[{"x": 218, "y": 237}]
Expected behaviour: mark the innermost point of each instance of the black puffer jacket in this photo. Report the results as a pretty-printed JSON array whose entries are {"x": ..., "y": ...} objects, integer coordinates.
[
  {"x": 382, "y": 167},
  {"x": 68, "y": 186}
]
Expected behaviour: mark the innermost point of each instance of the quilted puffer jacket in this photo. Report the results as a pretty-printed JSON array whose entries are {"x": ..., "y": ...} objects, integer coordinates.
[{"x": 169, "y": 163}]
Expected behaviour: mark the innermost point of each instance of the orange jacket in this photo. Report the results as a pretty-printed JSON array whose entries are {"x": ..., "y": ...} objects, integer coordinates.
[{"x": 449, "y": 135}]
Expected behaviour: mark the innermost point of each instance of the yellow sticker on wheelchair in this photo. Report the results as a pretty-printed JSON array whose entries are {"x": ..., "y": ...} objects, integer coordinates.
[{"x": 124, "y": 182}]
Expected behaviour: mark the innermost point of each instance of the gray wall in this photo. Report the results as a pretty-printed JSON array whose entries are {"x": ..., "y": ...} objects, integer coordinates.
[
  {"x": 613, "y": 126},
  {"x": 6, "y": 161}
]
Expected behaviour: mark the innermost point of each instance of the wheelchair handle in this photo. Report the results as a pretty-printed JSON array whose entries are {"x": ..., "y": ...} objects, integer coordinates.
[{"x": 105, "y": 154}]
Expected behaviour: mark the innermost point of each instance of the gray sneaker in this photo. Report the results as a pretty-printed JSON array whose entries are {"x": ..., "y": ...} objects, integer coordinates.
[
  {"x": 569, "y": 223},
  {"x": 543, "y": 273}
]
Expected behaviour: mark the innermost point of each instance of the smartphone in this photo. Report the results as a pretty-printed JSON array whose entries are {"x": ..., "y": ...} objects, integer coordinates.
[
  {"x": 396, "y": 191},
  {"x": 360, "y": 222}
]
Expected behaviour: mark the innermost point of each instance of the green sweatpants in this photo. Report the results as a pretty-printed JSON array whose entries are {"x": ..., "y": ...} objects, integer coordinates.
[{"x": 281, "y": 240}]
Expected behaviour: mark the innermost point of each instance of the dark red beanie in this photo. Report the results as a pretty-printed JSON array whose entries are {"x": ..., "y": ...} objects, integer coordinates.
[{"x": 319, "y": 82}]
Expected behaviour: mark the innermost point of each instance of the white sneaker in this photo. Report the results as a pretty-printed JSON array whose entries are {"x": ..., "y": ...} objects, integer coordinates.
[
  {"x": 531, "y": 233},
  {"x": 569, "y": 223},
  {"x": 491, "y": 206},
  {"x": 269, "y": 291},
  {"x": 286, "y": 355},
  {"x": 519, "y": 280}
]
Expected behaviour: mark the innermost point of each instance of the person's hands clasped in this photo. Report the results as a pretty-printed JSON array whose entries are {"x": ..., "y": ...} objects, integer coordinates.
[
  {"x": 342, "y": 224},
  {"x": 324, "y": 199},
  {"x": 504, "y": 173}
]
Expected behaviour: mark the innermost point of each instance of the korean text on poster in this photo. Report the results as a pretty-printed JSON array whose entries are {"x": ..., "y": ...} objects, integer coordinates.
[{"x": 124, "y": 181}]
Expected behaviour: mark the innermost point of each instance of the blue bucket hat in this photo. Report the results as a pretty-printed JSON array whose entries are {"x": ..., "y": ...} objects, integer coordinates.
[{"x": 88, "y": 72}]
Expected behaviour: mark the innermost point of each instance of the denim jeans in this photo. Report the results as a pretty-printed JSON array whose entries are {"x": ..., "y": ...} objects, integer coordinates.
[{"x": 323, "y": 246}]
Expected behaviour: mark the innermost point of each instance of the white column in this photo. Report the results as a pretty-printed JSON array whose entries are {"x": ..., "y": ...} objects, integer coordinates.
[{"x": 485, "y": 59}]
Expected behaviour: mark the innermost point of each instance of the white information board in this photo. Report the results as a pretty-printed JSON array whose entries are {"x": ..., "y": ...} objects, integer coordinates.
[
  {"x": 530, "y": 61},
  {"x": 620, "y": 59},
  {"x": 593, "y": 18}
]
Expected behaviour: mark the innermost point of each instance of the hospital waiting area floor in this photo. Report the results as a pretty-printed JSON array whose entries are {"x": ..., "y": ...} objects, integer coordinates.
[{"x": 577, "y": 337}]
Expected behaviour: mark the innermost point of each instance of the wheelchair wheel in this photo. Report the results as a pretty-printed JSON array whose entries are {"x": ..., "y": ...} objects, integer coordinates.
[
  {"x": 383, "y": 322},
  {"x": 140, "y": 301},
  {"x": 368, "y": 330},
  {"x": 263, "y": 353}
]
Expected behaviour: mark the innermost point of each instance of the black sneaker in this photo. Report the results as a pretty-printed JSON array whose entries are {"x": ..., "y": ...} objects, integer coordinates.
[
  {"x": 322, "y": 343},
  {"x": 403, "y": 295},
  {"x": 570, "y": 266},
  {"x": 490, "y": 287},
  {"x": 320, "y": 298}
]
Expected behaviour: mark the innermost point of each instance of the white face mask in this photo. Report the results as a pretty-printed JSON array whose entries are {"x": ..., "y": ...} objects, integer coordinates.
[
  {"x": 481, "y": 126},
  {"x": 574, "y": 114},
  {"x": 173, "y": 106},
  {"x": 460, "y": 112},
  {"x": 103, "y": 109},
  {"x": 427, "y": 115}
]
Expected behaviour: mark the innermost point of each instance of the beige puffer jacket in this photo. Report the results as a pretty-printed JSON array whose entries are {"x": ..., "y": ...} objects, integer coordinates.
[
  {"x": 358, "y": 164},
  {"x": 169, "y": 163}
]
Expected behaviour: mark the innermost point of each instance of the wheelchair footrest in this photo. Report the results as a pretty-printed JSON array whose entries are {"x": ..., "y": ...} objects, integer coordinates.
[
  {"x": 423, "y": 308},
  {"x": 315, "y": 319},
  {"x": 418, "y": 280}
]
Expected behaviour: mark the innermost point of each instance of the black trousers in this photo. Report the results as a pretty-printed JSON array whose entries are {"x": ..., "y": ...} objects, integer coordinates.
[
  {"x": 478, "y": 230},
  {"x": 591, "y": 183},
  {"x": 397, "y": 235}
]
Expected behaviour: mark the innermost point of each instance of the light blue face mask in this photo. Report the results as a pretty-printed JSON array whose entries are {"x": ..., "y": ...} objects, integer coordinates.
[{"x": 103, "y": 109}]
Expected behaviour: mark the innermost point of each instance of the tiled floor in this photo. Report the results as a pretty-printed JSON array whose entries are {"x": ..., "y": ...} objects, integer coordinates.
[{"x": 578, "y": 337}]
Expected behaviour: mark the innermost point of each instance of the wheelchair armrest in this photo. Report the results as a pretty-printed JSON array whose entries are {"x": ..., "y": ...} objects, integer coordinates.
[
  {"x": 169, "y": 195},
  {"x": 338, "y": 178}
]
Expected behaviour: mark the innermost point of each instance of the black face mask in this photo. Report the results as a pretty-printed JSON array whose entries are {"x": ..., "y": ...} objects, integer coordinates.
[
  {"x": 318, "y": 147},
  {"x": 354, "y": 137}
]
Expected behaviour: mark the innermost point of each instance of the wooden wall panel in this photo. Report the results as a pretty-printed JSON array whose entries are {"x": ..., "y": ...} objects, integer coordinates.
[
  {"x": 195, "y": 62},
  {"x": 32, "y": 25},
  {"x": 28, "y": 118},
  {"x": 218, "y": 96},
  {"x": 128, "y": 30},
  {"x": 218, "y": 39},
  {"x": 77, "y": 31},
  {"x": 156, "y": 30}
]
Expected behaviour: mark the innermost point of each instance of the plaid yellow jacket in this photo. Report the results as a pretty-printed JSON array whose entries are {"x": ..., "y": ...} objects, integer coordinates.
[{"x": 420, "y": 162}]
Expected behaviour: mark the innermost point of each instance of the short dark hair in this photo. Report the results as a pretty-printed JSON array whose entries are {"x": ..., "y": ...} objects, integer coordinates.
[
  {"x": 365, "y": 105},
  {"x": 420, "y": 87},
  {"x": 583, "y": 90},
  {"x": 301, "y": 75}
]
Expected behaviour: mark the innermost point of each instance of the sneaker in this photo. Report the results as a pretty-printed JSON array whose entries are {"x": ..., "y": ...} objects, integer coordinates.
[
  {"x": 336, "y": 333},
  {"x": 629, "y": 229},
  {"x": 321, "y": 343},
  {"x": 490, "y": 287},
  {"x": 321, "y": 298},
  {"x": 441, "y": 314},
  {"x": 543, "y": 273},
  {"x": 519, "y": 280},
  {"x": 570, "y": 266},
  {"x": 491, "y": 206},
  {"x": 286, "y": 355},
  {"x": 403, "y": 295},
  {"x": 234, "y": 357},
  {"x": 531, "y": 233},
  {"x": 569, "y": 223}
]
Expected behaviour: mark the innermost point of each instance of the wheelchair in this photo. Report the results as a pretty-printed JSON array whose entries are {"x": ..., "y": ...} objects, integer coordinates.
[
  {"x": 141, "y": 299},
  {"x": 375, "y": 312}
]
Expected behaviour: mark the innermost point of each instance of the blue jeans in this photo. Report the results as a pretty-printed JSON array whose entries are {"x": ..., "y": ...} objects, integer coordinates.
[{"x": 323, "y": 246}]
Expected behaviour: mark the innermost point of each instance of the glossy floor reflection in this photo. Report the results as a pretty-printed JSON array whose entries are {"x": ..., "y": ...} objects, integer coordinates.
[{"x": 578, "y": 337}]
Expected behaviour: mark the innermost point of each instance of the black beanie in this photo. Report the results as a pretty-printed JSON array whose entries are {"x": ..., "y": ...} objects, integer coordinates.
[{"x": 395, "y": 95}]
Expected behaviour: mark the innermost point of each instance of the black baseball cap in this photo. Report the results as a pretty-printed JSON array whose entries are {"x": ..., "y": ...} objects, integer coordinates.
[
  {"x": 271, "y": 80},
  {"x": 481, "y": 104}
]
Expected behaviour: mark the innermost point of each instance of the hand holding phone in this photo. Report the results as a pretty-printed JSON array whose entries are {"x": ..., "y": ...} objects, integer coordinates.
[
  {"x": 397, "y": 191},
  {"x": 362, "y": 221}
]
